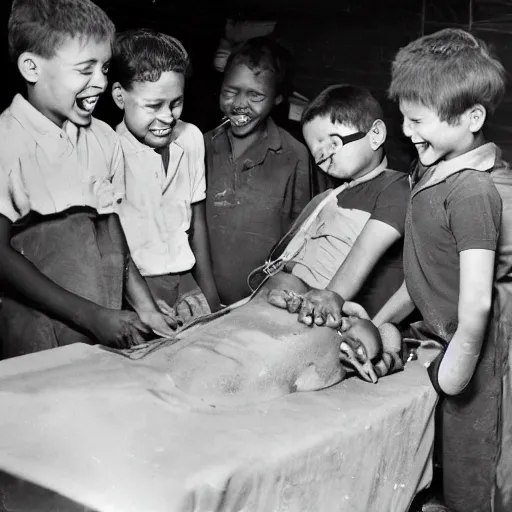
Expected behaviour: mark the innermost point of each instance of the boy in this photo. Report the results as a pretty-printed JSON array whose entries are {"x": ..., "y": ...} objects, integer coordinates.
[
  {"x": 257, "y": 173},
  {"x": 354, "y": 249},
  {"x": 446, "y": 85},
  {"x": 164, "y": 159},
  {"x": 63, "y": 265}
]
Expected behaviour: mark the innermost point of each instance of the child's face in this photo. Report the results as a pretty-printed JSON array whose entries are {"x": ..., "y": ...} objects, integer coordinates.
[
  {"x": 247, "y": 98},
  {"x": 344, "y": 161},
  {"x": 151, "y": 109},
  {"x": 435, "y": 140},
  {"x": 69, "y": 84}
]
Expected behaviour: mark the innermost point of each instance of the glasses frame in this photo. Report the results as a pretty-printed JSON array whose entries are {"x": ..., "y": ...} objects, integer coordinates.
[{"x": 345, "y": 139}]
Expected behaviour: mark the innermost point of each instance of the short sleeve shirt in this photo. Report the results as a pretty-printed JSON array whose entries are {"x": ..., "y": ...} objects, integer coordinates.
[
  {"x": 157, "y": 213},
  {"x": 454, "y": 207},
  {"x": 383, "y": 198},
  {"x": 46, "y": 169}
]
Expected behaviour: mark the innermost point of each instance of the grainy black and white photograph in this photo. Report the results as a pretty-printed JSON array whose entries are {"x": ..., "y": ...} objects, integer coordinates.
[{"x": 256, "y": 256}]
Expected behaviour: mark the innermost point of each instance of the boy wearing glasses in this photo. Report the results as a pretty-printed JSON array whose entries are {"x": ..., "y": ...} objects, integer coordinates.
[{"x": 354, "y": 246}]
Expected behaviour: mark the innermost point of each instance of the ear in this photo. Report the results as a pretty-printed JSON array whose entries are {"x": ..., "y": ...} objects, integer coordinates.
[
  {"x": 477, "y": 115},
  {"x": 118, "y": 95},
  {"x": 377, "y": 134},
  {"x": 278, "y": 100},
  {"x": 29, "y": 65}
]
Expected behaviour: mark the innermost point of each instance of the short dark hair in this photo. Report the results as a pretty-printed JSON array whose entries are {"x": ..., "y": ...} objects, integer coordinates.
[
  {"x": 142, "y": 55},
  {"x": 40, "y": 26},
  {"x": 264, "y": 54},
  {"x": 448, "y": 71},
  {"x": 350, "y": 105}
]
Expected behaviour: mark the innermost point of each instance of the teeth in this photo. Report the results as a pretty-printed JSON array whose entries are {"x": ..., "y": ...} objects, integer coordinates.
[
  {"x": 87, "y": 104},
  {"x": 161, "y": 133},
  {"x": 240, "y": 120}
]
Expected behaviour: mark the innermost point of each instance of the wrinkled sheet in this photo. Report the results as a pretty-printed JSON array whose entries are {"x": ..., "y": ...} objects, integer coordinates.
[{"x": 115, "y": 435}]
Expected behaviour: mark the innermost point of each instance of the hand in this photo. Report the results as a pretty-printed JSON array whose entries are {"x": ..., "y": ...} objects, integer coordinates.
[
  {"x": 191, "y": 306},
  {"x": 161, "y": 324},
  {"x": 319, "y": 307},
  {"x": 117, "y": 329},
  {"x": 354, "y": 309}
]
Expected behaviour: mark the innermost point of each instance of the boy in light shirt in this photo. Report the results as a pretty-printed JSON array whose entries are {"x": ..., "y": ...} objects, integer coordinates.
[
  {"x": 65, "y": 266},
  {"x": 164, "y": 215}
]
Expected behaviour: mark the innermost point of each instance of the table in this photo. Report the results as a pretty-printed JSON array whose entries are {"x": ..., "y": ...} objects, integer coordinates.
[{"x": 113, "y": 434}]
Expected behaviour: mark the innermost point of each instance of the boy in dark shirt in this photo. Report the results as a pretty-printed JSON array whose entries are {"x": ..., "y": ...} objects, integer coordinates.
[{"x": 258, "y": 175}]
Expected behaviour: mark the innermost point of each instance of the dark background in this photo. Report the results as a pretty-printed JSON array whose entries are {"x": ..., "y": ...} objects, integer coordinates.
[{"x": 351, "y": 41}]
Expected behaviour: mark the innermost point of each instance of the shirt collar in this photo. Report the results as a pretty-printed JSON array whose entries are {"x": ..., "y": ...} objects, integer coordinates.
[
  {"x": 37, "y": 123},
  {"x": 138, "y": 146},
  {"x": 480, "y": 159},
  {"x": 254, "y": 156}
]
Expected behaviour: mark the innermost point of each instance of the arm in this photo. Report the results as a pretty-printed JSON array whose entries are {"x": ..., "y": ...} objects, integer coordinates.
[
  {"x": 200, "y": 243},
  {"x": 475, "y": 300},
  {"x": 397, "y": 308},
  {"x": 373, "y": 241}
]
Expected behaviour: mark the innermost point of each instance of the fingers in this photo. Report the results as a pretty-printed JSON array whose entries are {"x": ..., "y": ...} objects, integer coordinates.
[
  {"x": 184, "y": 311},
  {"x": 278, "y": 298},
  {"x": 172, "y": 322},
  {"x": 294, "y": 302},
  {"x": 353, "y": 309},
  {"x": 365, "y": 370},
  {"x": 164, "y": 307}
]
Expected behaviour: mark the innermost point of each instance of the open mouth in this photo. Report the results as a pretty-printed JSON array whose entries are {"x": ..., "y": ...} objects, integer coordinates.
[
  {"x": 87, "y": 103},
  {"x": 161, "y": 132},
  {"x": 240, "y": 120},
  {"x": 421, "y": 146}
]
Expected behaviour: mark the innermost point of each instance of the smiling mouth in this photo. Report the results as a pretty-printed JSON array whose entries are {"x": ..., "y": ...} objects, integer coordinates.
[
  {"x": 87, "y": 103},
  {"x": 421, "y": 146},
  {"x": 240, "y": 120},
  {"x": 162, "y": 132}
]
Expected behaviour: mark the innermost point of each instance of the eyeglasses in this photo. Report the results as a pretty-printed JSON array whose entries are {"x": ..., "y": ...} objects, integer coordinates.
[{"x": 347, "y": 139}]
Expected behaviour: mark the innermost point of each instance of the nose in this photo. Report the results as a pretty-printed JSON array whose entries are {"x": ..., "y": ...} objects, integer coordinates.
[
  {"x": 240, "y": 102},
  {"x": 165, "y": 115},
  {"x": 406, "y": 128},
  {"x": 99, "y": 80}
]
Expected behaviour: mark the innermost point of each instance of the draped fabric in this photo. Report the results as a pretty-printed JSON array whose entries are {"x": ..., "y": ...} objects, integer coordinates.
[{"x": 79, "y": 250}]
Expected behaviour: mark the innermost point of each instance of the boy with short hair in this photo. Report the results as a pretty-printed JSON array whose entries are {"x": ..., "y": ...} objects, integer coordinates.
[
  {"x": 353, "y": 249},
  {"x": 65, "y": 268},
  {"x": 447, "y": 83},
  {"x": 164, "y": 214},
  {"x": 258, "y": 175}
]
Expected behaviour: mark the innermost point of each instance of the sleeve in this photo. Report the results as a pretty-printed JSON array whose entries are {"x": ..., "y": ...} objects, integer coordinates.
[
  {"x": 474, "y": 212},
  {"x": 298, "y": 190},
  {"x": 117, "y": 172},
  {"x": 7, "y": 206},
  {"x": 198, "y": 173},
  {"x": 391, "y": 204}
]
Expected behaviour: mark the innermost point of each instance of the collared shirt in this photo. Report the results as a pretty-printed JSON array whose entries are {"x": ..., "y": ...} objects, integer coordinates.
[
  {"x": 157, "y": 213},
  {"x": 251, "y": 202},
  {"x": 454, "y": 207},
  {"x": 48, "y": 169}
]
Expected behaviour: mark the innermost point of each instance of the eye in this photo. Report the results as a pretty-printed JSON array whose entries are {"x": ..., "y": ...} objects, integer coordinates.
[
  {"x": 255, "y": 96},
  {"x": 86, "y": 71},
  {"x": 227, "y": 93},
  {"x": 105, "y": 68}
]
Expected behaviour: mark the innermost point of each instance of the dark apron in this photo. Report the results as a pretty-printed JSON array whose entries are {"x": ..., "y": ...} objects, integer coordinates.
[{"x": 79, "y": 250}]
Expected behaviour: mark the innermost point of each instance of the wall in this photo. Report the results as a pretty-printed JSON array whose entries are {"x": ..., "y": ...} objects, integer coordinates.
[{"x": 347, "y": 41}]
